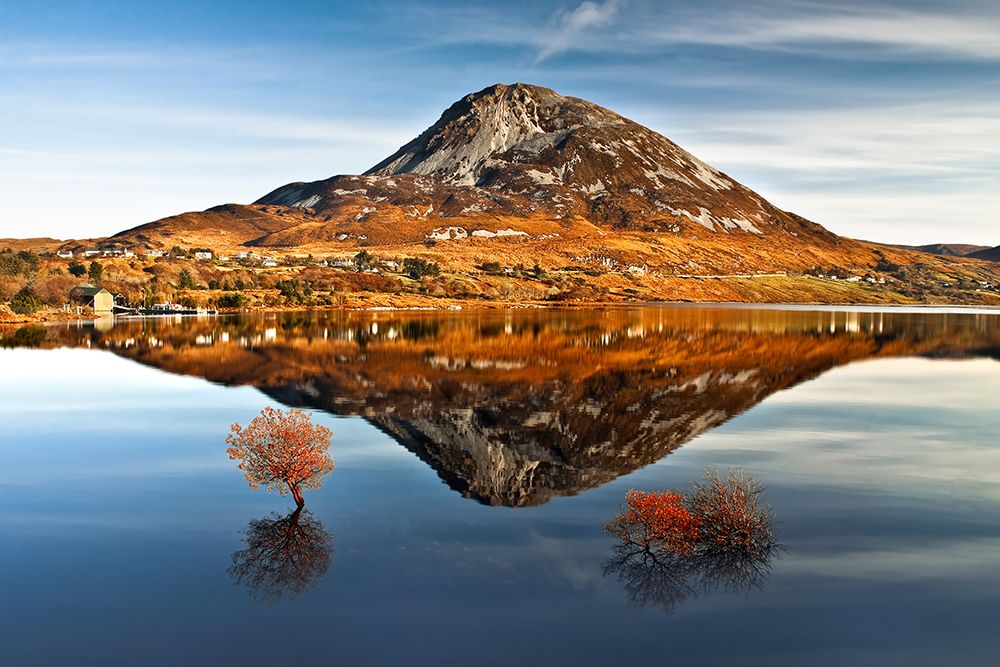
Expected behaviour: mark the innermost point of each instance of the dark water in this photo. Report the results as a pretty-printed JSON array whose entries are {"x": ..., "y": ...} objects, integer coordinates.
[{"x": 478, "y": 456}]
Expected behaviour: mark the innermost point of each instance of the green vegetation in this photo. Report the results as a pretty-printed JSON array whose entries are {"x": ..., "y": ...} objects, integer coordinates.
[
  {"x": 416, "y": 268},
  {"x": 233, "y": 300},
  {"x": 23, "y": 263},
  {"x": 184, "y": 280},
  {"x": 25, "y": 302},
  {"x": 95, "y": 272},
  {"x": 295, "y": 293},
  {"x": 363, "y": 260}
]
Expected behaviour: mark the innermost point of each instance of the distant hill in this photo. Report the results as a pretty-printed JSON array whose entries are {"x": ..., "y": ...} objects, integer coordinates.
[
  {"x": 946, "y": 249},
  {"x": 989, "y": 254},
  {"x": 37, "y": 244}
]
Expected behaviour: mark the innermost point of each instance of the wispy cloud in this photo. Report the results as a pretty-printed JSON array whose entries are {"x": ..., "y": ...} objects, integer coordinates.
[
  {"x": 844, "y": 30},
  {"x": 570, "y": 26},
  {"x": 839, "y": 31}
]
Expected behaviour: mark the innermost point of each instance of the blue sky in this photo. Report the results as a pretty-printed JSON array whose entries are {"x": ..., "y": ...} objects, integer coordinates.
[{"x": 879, "y": 120}]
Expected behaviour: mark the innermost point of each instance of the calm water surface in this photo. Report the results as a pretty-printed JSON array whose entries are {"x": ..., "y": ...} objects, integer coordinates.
[{"x": 478, "y": 456}]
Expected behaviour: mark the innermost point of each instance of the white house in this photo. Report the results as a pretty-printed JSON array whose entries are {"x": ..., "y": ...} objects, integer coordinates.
[
  {"x": 65, "y": 254},
  {"x": 202, "y": 255}
]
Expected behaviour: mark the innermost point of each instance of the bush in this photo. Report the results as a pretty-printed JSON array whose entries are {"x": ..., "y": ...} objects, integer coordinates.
[
  {"x": 235, "y": 300},
  {"x": 672, "y": 547},
  {"x": 25, "y": 302},
  {"x": 294, "y": 292},
  {"x": 721, "y": 514},
  {"x": 184, "y": 280},
  {"x": 77, "y": 269},
  {"x": 730, "y": 511},
  {"x": 95, "y": 272},
  {"x": 363, "y": 260},
  {"x": 54, "y": 290},
  {"x": 656, "y": 520},
  {"x": 416, "y": 267},
  {"x": 23, "y": 263}
]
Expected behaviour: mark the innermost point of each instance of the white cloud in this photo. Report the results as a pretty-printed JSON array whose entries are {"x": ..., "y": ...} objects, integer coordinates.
[
  {"x": 571, "y": 25},
  {"x": 839, "y": 30},
  {"x": 835, "y": 30},
  {"x": 910, "y": 173}
]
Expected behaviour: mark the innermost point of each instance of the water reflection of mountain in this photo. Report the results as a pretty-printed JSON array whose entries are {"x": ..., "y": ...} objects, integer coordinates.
[{"x": 513, "y": 408}]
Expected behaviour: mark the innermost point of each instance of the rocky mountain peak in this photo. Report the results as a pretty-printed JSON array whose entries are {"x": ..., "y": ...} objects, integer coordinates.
[
  {"x": 523, "y": 162},
  {"x": 522, "y": 139},
  {"x": 476, "y": 130}
]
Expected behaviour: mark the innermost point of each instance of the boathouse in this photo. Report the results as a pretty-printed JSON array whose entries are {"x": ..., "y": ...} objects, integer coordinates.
[{"x": 97, "y": 298}]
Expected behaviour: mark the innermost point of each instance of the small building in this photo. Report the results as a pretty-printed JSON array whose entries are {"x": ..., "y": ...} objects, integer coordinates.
[
  {"x": 91, "y": 253},
  {"x": 155, "y": 253},
  {"x": 65, "y": 254},
  {"x": 202, "y": 255},
  {"x": 97, "y": 298}
]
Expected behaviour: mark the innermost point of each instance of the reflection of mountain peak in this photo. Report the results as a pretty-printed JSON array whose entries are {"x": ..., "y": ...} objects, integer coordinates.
[{"x": 516, "y": 408}]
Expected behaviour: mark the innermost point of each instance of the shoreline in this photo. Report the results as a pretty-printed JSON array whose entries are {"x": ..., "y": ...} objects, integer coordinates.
[{"x": 59, "y": 317}]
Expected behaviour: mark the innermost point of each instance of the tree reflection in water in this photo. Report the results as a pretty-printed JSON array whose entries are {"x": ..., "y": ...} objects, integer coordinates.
[
  {"x": 673, "y": 548},
  {"x": 283, "y": 557}
]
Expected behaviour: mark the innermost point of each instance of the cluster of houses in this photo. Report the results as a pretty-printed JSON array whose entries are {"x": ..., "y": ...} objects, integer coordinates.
[
  {"x": 122, "y": 251},
  {"x": 854, "y": 279},
  {"x": 265, "y": 261}
]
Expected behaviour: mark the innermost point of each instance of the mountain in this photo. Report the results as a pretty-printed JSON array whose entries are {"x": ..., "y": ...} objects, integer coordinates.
[
  {"x": 529, "y": 153},
  {"x": 522, "y": 174},
  {"x": 560, "y": 179}
]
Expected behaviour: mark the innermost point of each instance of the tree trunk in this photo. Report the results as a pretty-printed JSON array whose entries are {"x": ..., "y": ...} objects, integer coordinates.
[{"x": 297, "y": 494}]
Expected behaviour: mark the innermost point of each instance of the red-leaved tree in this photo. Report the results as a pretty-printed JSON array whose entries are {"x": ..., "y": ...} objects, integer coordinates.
[
  {"x": 283, "y": 451},
  {"x": 657, "y": 520}
]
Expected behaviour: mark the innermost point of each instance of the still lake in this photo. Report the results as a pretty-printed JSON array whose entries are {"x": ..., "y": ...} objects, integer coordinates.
[{"x": 478, "y": 456}]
